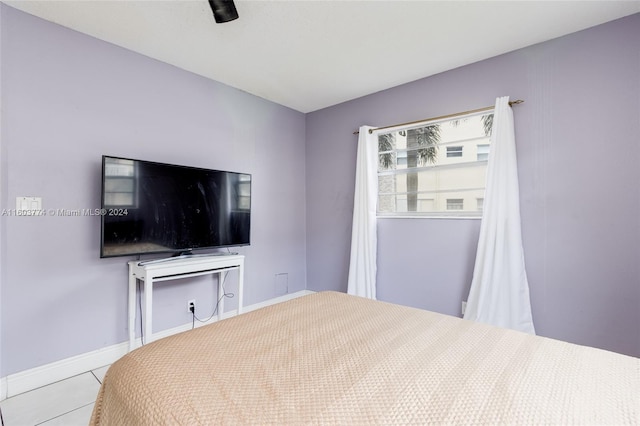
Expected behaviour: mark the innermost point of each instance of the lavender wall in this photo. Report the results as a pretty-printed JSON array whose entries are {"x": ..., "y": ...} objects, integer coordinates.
[
  {"x": 66, "y": 100},
  {"x": 579, "y": 151}
]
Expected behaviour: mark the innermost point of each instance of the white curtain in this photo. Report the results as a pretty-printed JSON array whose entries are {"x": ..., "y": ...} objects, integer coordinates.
[
  {"x": 499, "y": 292},
  {"x": 362, "y": 266}
]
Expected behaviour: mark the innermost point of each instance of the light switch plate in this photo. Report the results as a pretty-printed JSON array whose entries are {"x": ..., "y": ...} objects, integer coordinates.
[{"x": 28, "y": 203}]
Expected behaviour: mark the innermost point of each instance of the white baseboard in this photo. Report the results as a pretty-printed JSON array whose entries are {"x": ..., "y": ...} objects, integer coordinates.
[
  {"x": 3, "y": 389},
  {"x": 33, "y": 378}
]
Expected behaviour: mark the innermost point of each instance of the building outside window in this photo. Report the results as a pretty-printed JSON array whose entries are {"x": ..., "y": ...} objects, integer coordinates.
[{"x": 435, "y": 168}]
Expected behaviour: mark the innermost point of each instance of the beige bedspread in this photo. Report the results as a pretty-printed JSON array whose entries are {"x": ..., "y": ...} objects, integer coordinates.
[{"x": 330, "y": 358}]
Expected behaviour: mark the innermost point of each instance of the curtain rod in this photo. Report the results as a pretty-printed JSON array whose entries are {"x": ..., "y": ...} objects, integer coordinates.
[{"x": 442, "y": 117}]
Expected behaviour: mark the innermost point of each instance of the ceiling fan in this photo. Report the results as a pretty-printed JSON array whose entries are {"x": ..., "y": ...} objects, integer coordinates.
[{"x": 223, "y": 10}]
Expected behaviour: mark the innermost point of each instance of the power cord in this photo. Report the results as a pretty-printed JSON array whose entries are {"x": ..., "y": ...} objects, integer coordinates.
[
  {"x": 215, "y": 309},
  {"x": 192, "y": 308},
  {"x": 139, "y": 296}
]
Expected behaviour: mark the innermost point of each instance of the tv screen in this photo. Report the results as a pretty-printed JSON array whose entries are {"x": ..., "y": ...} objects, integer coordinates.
[{"x": 150, "y": 207}]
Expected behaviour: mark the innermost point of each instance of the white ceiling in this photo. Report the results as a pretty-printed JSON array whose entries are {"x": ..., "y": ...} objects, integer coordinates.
[{"x": 308, "y": 55}]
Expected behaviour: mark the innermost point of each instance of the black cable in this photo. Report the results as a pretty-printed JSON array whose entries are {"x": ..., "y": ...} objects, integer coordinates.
[
  {"x": 215, "y": 309},
  {"x": 1, "y": 418}
]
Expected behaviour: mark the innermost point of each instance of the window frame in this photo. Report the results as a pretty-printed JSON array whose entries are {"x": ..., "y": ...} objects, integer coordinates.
[{"x": 428, "y": 195}]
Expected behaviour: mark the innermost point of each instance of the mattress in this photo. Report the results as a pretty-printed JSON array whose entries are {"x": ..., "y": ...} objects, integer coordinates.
[{"x": 331, "y": 358}]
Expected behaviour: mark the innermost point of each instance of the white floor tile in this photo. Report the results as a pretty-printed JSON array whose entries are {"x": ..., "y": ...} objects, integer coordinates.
[
  {"x": 100, "y": 372},
  {"x": 49, "y": 402},
  {"x": 79, "y": 417}
]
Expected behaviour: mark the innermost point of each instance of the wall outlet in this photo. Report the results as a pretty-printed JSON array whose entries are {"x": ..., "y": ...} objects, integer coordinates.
[
  {"x": 191, "y": 306},
  {"x": 464, "y": 306}
]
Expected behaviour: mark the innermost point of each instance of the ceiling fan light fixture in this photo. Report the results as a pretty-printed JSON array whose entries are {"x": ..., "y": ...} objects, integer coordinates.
[{"x": 223, "y": 10}]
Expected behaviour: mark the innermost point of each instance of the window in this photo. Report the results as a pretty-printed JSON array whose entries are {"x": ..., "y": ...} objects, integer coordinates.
[
  {"x": 454, "y": 151},
  {"x": 483, "y": 152},
  {"x": 437, "y": 168},
  {"x": 455, "y": 203}
]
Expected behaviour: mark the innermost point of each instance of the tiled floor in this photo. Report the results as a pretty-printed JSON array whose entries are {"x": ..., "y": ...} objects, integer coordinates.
[{"x": 68, "y": 402}]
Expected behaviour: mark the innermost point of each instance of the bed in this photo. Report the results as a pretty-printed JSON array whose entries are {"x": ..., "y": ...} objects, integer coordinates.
[{"x": 331, "y": 358}]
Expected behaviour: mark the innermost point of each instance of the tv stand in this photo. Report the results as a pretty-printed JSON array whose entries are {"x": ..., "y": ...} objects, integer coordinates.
[
  {"x": 150, "y": 272},
  {"x": 180, "y": 257}
]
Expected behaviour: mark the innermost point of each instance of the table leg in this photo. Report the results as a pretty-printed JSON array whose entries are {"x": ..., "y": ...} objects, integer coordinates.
[
  {"x": 132, "y": 311},
  {"x": 240, "y": 287},
  {"x": 147, "y": 307}
]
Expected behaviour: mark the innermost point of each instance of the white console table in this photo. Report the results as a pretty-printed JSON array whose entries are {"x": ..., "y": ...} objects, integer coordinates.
[{"x": 172, "y": 269}]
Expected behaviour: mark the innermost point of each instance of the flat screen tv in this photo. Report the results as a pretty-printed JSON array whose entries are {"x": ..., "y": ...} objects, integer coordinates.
[{"x": 150, "y": 207}]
